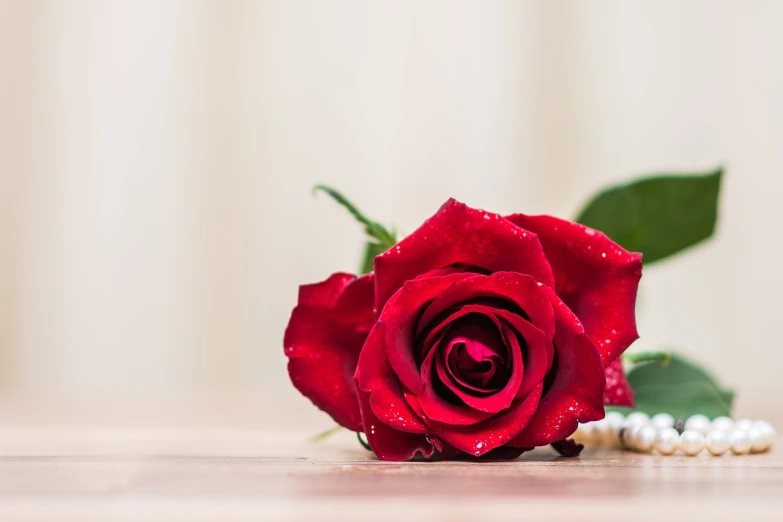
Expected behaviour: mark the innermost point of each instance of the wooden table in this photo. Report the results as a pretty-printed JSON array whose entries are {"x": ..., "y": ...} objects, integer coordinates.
[{"x": 146, "y": 472}]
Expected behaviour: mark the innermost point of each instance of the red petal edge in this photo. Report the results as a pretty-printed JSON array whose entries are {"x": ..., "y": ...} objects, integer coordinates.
[
  {"x": 323, "y": 339},
  {"x": 576, "y": 394},
  {"x": 374, "y": 377},
  {"x": 594, "y": 276},
  {"x": 464, "y": 235},
  {"x": 388, "y": 443}
]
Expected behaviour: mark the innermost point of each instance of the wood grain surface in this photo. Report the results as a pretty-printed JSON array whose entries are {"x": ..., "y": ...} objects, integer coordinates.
[{"x": 123, "y": 471}]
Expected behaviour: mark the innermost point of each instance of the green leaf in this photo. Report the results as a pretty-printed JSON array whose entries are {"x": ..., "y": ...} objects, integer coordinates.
[
  {"x": 370, "y": 251},
  {"x": 381, "y": 239},
  {"x": 680, "y": 388},
  {"x": 659, "y": 215}
]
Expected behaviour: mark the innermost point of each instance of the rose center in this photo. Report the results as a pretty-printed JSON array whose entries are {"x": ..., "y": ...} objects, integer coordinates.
[{"x": 476, "y": 355}]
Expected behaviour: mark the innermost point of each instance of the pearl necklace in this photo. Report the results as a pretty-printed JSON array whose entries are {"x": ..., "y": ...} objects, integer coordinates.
[{"x": 666, "y": 435}]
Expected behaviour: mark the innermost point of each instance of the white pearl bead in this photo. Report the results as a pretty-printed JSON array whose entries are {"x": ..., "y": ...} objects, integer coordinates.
[
  {"x": 740, "y": 442},
  {"x": 767, "y": 431},
  {"x": 667, "y": 440},
  {"x": 645, "y": 438},
  {"x": 691, "y": 442},
  {"x": 722, "y": 424},
  {"x": 613, "y": 421},
  {"x": 758, "y": 440},
  {"x": 762, "y": 424},
  {"x": 698, "y": 423},
  {"x": 662, "y": 420},
  {"x": 717, "y": 442},
  {"x": 637, "y": 418},
  {"x": 719, "y": 436},
  {"x": 630, "y": 435}
]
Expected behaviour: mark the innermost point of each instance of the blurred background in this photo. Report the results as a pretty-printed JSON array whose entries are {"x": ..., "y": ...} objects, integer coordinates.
[{"x": 157, "y": 160}]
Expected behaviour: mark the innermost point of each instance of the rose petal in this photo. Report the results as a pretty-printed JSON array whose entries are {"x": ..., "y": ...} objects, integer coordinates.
[
  {"x": 476, "y": 339},
  {"x": 434, "y": 406},
  {"x": 617, "y": 391},
  {"x": 594, "y": 276},
  {"x": 445, "y": 451},
  {"x": 388, "y": 443},
  {"x": 325, "y": 293},
  {"x": 538, "y": 355},
  {"x": 494, "y": 402},
  {"x": 413, "y": 402},
  {"x": 520, "y": 289},
  {"x": 539, "y": 352},
  {"x": 399, "y": 317},
  {"x": 576, "y": 393},
  {"x": 374, "y": 376},
  {"x": 479, "y": 439},
  {"x": 448, "y": 452},
  {"x": 521, "y": 325},
  {"x": 448, "y": 364},
  {"x": 323, "y": 339},
  {"x": 460, "y": 234},
  {"x": 445, "y": 320}
]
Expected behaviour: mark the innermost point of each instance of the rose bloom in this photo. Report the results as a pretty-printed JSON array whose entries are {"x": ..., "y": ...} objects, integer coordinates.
[{"x": 477, "y": 335}]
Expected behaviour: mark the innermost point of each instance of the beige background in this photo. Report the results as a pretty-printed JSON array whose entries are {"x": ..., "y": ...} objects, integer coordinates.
[{"x": 156, "y": 161}]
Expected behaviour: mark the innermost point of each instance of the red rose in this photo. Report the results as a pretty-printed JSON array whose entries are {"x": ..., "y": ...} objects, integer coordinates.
[{"x": 475, "y": 334}]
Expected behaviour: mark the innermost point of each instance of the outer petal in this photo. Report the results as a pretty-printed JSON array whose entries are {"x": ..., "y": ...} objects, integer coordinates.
[
  {"x": 594, "y": 276},
  {"x": 448, "y": 452},
  {"x": 617, "y": 392},
  {"x": 458, "y": 234},
  {"x": 325, "y": 293},
  {"x": 481, "y": 438},
  {"x": 576, "y": 393},
  {"x": 388, "y": 443},
  {"x": 374, "y": 376},
  {"x": 323, "y": 339}
]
